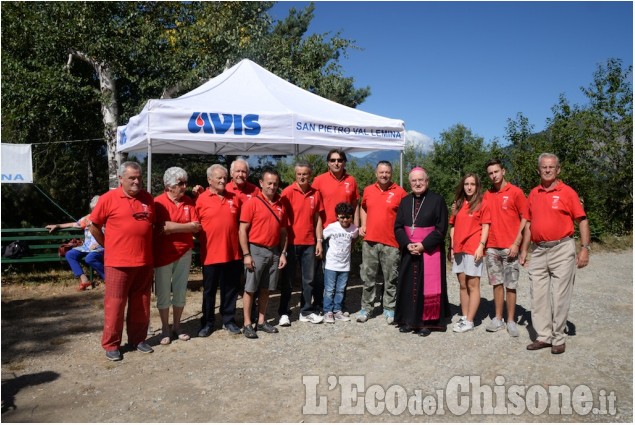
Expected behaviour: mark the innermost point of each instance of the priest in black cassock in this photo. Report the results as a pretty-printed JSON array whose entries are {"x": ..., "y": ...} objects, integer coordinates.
[{"x": 420, "y": 227}]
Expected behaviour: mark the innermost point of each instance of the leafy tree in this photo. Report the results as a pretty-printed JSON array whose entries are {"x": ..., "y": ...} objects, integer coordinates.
[
  {"x": 74, "y": 71},
  {"x": 457, "y": 153}
]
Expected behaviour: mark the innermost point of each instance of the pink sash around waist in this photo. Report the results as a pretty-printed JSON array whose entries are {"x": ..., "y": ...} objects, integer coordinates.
[{"x": 431, "y": 274}]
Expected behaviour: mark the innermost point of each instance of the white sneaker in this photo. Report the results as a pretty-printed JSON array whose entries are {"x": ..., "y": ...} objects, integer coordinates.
[
  {"x": 512, "y": 330},
  {"x": 495, "y": 325},
  {"x": 461, "y": 319},
  {"x": 463, "y": 326},
  {"x": 362, "y": 316},
  {"x": 313, "y": 318},
  {"x": 329, "y": 318},
  {"x": 340, "y": 317},
  {"x": 284, "y": 321}
]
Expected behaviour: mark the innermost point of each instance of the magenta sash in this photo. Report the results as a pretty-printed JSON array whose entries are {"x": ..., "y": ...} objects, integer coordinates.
[{"x": 431, "y": 274}]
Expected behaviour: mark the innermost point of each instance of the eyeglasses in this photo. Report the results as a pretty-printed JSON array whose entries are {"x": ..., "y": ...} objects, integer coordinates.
[
  {"x": 181, "y": 183},
  {"x": 344, "y": 217},
  {"x": 332, "y": 160}
]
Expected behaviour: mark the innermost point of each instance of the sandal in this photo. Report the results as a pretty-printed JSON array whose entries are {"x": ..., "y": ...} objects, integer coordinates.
[
  {"x": 181, "y": 336},
  {"x": 83, "y": 286},
  {"x": 165, "y": 340}
]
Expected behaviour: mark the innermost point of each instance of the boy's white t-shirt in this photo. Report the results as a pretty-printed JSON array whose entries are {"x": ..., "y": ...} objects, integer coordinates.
[{"x": 338, "y": 256}]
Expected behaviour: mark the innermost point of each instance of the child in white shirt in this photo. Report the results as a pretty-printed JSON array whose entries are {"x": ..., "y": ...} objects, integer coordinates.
[{"x": 341, "y": 235}]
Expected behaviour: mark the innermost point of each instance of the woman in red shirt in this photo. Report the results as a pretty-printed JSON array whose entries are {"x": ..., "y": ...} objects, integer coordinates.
[
  {"x": 177, "y": 221},
  {"x": 469, "y": 223}
]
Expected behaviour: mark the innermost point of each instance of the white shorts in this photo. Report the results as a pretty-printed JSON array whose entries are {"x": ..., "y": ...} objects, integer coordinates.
[{"x": 464, "y": 263}]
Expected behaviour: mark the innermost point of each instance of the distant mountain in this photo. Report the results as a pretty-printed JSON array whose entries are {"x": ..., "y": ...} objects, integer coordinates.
[{"x": 374, "y": 157}]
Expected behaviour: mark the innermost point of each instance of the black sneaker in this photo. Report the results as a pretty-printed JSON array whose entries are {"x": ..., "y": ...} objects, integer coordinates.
[
  {"x": 266, "y": 327},
  {"x": 144, "y": 347},
  {"x": 231, "y": 327},
  {"x": 205, "y": 332},
  {"x": 113, "y": 355},
  {"x": 249, "y": 331}
]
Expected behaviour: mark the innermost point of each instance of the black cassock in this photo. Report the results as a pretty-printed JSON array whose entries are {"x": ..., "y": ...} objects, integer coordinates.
[{"x": 422, "y": 295}]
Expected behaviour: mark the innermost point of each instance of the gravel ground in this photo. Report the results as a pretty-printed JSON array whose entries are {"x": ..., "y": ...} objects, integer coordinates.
[{"x": 54, "y": 370}]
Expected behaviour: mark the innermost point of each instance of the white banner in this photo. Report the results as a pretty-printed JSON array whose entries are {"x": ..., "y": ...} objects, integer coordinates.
[{"x": 17, "y": 166}]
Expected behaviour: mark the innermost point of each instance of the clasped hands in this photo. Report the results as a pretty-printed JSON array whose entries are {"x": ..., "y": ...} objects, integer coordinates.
[{"x": 415, "y": 248}]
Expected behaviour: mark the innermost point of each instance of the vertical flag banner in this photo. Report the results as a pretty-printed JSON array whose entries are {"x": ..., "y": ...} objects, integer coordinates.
[{"x": 17, "y": 166}]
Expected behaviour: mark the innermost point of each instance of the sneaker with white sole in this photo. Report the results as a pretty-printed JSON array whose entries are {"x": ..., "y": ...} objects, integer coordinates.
[
  {"x": 512, "y": 330},
  {"x": 461, "y": 319},
  {"x": 362, "y": 316},
  {"x": 495, "y": 325},
  {"x": 284, "y": 321},
  {"x": 463, "y": 326},
  {"x": 329, "y": 318},
  {"x": 339, "y": 316},
  {"x": 312, "y": 318},
  {"x": 390, "y": 316}
]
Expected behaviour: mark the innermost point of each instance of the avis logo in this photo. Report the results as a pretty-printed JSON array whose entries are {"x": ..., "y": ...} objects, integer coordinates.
[{"x": 221, "y": 123}]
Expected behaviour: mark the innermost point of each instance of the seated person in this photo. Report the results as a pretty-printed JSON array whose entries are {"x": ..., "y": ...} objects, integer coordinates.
[{"x": 90, "y": 250}]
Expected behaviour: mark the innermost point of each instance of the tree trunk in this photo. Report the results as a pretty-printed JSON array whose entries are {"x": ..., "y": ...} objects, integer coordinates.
[{"x": 109, "y": 111}]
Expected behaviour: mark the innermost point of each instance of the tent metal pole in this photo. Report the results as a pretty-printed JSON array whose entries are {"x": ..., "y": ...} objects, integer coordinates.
[
  {"x": 149, "y": 182},
  {"x": 401, "y": 168}
]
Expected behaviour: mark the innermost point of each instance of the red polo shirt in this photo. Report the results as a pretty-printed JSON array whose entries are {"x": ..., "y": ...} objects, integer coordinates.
[
  {"x": 245, "y": 193},
  {"x": 169, "y": 248},
  {"x": 128, "y": 223},
  {"x": 218, "y": 237},
  {"x": 333, "y": 192},
  {"x": 467, "y": 228},
  {"x": 381, "y": 211},
  {"x": 265, "y": 228},
  {"x": 507, "y": 207},
  {"x": 301, "y": 208},
  {"x": 552, "y": 212}
]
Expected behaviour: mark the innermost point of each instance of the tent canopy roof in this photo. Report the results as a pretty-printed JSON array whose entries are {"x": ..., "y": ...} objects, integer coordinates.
[{"x": 248, "y": 110}]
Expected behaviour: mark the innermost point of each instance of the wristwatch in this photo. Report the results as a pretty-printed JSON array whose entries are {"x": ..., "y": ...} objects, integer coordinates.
[
  {"x": 284, "y": 253},
  {"x": 587, "y": 246}
]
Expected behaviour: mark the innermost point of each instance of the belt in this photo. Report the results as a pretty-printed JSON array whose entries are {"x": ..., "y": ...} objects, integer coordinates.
[
  {"x": 551, "y": 244},
  {"x": 264, "y": 246}
]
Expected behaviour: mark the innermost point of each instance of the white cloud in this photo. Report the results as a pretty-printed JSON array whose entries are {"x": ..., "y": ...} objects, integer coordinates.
[{"x": 419, "y": 140}]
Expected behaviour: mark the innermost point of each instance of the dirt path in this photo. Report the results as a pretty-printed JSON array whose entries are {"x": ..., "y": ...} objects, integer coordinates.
[{"x": 54, "y": 370}]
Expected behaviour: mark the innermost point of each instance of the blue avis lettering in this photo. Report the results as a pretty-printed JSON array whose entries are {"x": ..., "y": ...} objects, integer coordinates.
[
  {"x": 12, "y": 177},
  {"x": 215, "y": 123}
]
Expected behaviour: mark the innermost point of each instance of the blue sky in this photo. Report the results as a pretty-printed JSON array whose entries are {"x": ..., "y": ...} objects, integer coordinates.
[{"x": 436, "y": 64}]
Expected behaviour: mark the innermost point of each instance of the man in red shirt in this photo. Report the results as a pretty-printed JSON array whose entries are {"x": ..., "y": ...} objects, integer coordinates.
[
  {"x": 239, "y": 170},
  {"x": 508, "y": 209},
  {"x": 128, "y": 214},
  {"x": 553, "y": 208},
  {"x": 303, "y": 205},
  {"x": 380, "y": 249},
  {"x": 263, "y": 240},
  {"x": 335, "y": 186},
  {"x": 219, "y": 211}
]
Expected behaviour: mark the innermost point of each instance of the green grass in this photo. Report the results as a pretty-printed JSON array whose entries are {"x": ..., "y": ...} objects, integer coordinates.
[{"x": 612, "y": 243}]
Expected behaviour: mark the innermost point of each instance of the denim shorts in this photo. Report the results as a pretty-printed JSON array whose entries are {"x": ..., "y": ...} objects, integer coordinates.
[{"x": 464, "y": 263}]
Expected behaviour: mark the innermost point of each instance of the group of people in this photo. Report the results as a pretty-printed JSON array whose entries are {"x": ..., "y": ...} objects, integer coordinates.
[
  {"x": 254, "y": 239},
  {"x": 492, "y": 228}
]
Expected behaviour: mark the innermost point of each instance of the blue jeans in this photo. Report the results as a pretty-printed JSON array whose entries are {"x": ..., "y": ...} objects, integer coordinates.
[
  {"x": 94, "y": 259},
  {"x": 334, "y": 289},
  {"x": 305, "y": 256}
]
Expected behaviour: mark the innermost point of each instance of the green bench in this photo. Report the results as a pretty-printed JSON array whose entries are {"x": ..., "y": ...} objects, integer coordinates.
[{"x": 42, "y": 244}]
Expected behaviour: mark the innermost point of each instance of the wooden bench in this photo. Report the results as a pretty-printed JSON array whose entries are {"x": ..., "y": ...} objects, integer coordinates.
[{"x": 42, "y": 244}]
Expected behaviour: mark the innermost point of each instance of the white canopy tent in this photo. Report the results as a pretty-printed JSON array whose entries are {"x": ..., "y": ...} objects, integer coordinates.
[{"x": 250, "y": 111}]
